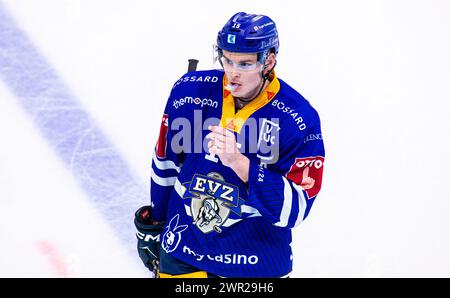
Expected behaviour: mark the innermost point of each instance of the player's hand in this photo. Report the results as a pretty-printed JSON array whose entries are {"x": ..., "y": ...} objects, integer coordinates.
[
  {"x": 148, "y": 235},
  {"x": 223, "y": 144}
]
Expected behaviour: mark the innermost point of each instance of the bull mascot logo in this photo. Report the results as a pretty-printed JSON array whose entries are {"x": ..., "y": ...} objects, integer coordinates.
[
  {"x": 209, "y": 211},
  {"x": 212, "y": 201}
]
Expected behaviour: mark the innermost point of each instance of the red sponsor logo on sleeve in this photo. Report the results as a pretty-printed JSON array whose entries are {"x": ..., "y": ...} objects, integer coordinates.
[
  {"x": 307, "y": 172},
  {"x": 161, "y": 145}
]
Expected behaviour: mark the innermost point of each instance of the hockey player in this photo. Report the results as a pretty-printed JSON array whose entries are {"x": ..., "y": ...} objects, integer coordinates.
[{"x": 237, "y": 165}]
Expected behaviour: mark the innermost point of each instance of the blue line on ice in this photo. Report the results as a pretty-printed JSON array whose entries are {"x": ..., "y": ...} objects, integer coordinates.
[{"x": 94, "y": 162}]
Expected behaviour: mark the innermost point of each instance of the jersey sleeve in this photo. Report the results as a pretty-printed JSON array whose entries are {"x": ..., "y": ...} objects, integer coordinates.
[
  {"x": 166, "y": 165},
  {"x": 284, "y": 193}
]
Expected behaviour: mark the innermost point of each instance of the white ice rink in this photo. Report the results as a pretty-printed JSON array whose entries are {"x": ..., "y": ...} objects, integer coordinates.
[{"x": 83, "y": 84}]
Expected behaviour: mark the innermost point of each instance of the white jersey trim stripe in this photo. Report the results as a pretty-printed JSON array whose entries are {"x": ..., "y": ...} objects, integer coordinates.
[
  {"x": 188, "y": 210},
  {"x": 165, "y": 164},
  {"x": 287, "y": 205},
  {"x": 168, "y": 181},
  {"x": 249, "y": 209},
  {"x": 180, "y": 188},
  {"x": 301, "y": 204}
]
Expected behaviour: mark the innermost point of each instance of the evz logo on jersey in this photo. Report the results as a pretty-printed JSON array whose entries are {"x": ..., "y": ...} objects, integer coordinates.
[
  {"x": 212, "y": 201},
  {"x": 162, "y": 140}
]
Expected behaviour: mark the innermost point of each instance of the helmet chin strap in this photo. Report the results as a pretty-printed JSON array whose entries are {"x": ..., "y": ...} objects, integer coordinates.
[{"x": 264, "y": 78}]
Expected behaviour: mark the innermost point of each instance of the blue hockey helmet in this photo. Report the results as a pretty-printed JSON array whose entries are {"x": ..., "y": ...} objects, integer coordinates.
[{"x": 249, "y": 33}]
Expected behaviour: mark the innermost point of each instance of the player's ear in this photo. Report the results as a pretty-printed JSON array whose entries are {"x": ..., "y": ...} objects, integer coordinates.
[{"x": 271, "y": 60}]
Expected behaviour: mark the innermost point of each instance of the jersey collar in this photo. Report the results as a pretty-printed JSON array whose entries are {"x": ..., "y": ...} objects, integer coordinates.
[{"x": 235, "y": 121}]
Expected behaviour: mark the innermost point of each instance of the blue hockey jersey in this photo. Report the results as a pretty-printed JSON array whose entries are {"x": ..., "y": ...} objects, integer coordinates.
[{"x": 215, "y": 221}]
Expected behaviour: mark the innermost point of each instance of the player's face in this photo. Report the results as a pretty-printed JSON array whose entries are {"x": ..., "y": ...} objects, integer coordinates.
[{"x": 243, "y": 72}]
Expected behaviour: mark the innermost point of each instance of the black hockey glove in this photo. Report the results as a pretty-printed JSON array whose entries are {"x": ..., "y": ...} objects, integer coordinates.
[{"x": 148, "y": 235}]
